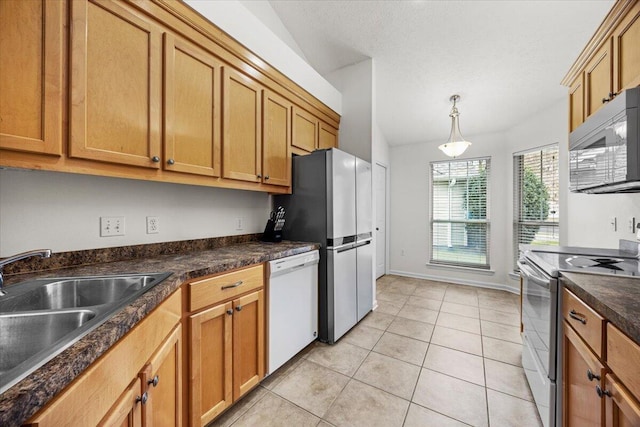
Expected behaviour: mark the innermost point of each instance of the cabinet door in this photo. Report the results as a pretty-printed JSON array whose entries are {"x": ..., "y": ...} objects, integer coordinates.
[
  {"x": 576, "y": 103},
  {"x": 276, "y": 140},
  {"x": 248, "y": 342},
  {"x": 621, "y": 409},
  {"x": 327, "y": 137},
  {"x": 241, "y": 143},
  {"x": 582, "y": 372},
  {"x": 210, "y": 366},
  {"x": 626, "y": 51},
  {"x": 115, "y": 85},
  {"x": 127, "y": 411},
  {"x": 305, "y": 130},
  {"x": 31, "y": 79},
  {"x": 598, "y": 78},
  {"x": 192, "y": 108},
  {"x": 162, "y": 379}
]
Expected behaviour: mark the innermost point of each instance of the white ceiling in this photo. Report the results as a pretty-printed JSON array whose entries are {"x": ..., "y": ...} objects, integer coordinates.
[{"x": 504, "y": 58}]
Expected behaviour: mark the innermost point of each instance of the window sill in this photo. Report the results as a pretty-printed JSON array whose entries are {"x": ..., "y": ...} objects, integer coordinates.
[{"x": 483, "y": 271}]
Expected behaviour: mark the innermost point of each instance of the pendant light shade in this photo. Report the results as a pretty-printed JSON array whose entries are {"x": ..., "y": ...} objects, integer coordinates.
[{"x": 456, "y": 145}]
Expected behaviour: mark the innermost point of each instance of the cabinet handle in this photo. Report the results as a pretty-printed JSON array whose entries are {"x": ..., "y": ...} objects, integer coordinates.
[
  {"x": 235, "y": 285},
  {"x": 602, "y": 393},
  {"x": 155, "y": 159},
  {"x": 143, "y": 399},
  {"x": 591, "y": 376},
  {"x": 154, "y": 382},
  {"x": 611, "y": 96},
  {"x": 171, "y": 161},
  {"x": 229, "y": 312},
  {"x": 238, "y": 308},
  {"x": 574, "y": 315}
]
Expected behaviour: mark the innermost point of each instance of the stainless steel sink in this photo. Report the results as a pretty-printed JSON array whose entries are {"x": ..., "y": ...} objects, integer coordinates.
[
  {"x": 74, "y": 292},
  {"x": 25, "y": 334},
  {"x": 40, "y": 318}
]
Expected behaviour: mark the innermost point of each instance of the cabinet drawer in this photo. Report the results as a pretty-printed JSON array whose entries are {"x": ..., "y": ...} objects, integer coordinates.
[
  {"x": 586, "y": 322},
  {"x": 210, "y": 291},
  {"x": 623, "y": 358}
]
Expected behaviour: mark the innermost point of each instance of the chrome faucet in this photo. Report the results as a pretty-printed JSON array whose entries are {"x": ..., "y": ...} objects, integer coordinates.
[{"x": 44, "y": 253}]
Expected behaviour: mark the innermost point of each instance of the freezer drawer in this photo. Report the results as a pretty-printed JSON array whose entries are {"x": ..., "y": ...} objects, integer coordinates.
[{"x": 341, "y": 281}]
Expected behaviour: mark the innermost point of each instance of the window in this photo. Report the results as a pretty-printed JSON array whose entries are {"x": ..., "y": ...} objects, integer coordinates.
[
  {"x": 460, "y": 213},
  {"x": 535, "y": 198}
]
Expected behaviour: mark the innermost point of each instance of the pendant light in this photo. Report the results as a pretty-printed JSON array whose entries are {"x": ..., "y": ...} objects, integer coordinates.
[{"x": 456, "y": 145}]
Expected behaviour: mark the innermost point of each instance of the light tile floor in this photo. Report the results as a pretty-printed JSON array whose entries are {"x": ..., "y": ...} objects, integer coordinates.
[{"x": 431, "y": 354}]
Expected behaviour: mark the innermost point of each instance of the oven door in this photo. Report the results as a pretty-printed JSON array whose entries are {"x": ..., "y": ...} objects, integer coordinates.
[{"x": 539, "y": 314}]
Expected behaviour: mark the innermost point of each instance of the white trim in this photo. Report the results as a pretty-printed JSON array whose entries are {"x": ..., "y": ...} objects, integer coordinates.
[
  {"x": 483, "y": 271},
  {"x": 513, "y": 275},
  {"x": 534, "y": 149},
  {"x": 457, "y": 281}
]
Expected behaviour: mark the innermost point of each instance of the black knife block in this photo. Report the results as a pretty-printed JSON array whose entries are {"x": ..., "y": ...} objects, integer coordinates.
[{"x": 270, "y": 234}]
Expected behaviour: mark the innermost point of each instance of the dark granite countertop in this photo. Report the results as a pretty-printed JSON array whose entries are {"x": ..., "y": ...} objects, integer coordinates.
[
  {"x": 29, "y": 395},
  {"x": 615, "y": 298}
]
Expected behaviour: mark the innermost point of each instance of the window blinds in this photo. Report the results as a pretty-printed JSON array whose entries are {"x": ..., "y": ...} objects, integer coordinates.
[
  {"x": 460, "y": 213},
  {"x": 536, "y": 197}
]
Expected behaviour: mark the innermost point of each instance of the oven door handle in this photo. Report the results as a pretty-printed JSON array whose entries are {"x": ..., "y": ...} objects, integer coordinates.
[{"x": 531, "y": 275}]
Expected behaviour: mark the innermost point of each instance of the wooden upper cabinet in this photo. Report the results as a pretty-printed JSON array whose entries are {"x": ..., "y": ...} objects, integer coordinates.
[
  {"x": 305, "y": 130},
  {"x": 276, "y": 159},
  {"x": 576, "y": 103},
  {"x": 31, "y": 82},
  {"x": 626, "y": 51},
  {"x": 116, "y": 70},
  {"x": 192, "y": 104},
  {"x": 327, "y": 136},
  {"x": 242, "y": 141},
  {"x": 598, "y": 76}
]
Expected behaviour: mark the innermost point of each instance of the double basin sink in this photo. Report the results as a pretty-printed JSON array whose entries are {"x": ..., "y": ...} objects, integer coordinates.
[{"x": 40, "y": 318}]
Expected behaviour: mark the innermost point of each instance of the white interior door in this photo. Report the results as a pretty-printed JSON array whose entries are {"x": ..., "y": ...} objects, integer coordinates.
[{"x": 380, "y": 174}]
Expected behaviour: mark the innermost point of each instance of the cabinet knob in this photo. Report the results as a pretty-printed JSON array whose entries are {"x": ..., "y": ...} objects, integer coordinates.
[
  {"x": 591, "y": 376},
  {"x": 601, "y": 392},
  {"x": 171, "y": 161},
  {"x": 266, "y": 177},
  {"x": 154, "y": 382},
  {"x": 155, "y": 159},
  {"x": 238, "y": 308},
  {"x": 259, "y": 176},
  {"x": 229, "y": 312},
  {"x": 143, "y": 399}
]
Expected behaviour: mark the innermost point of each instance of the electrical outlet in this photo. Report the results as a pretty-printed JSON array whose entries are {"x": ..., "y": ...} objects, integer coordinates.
[
  {"x": 111, "y": 226},
  {"x": 614, "y": 223},
  {"x": 153, "y": 225},
  {"x": 239, "y": 223}
]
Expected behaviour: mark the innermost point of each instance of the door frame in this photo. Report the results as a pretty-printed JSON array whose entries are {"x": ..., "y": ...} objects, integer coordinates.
[{"x": 387, "y": 205}]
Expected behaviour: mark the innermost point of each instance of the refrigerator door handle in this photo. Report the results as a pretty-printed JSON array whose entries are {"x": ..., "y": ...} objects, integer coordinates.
[
  {"x": 363, "y": 243},
  {"x": 341, "y": 248}
]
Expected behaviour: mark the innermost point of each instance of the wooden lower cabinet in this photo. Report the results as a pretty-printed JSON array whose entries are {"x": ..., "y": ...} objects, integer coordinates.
[
  {"x": 226, "y": 342},
  {"x": 111, "y": 392},
  {"x": 582, "y": 372},
  {"x": 621, "y": 409}
]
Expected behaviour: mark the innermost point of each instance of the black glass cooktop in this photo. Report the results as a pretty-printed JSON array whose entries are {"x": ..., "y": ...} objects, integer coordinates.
[{"x": 613, "y": 265}]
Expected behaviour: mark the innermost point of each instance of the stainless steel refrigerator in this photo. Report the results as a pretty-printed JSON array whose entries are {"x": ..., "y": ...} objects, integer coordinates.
[{"x": 331, "y": 204}]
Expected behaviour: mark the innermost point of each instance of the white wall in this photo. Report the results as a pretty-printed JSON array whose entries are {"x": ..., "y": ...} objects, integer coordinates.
[
  {"x": 61, "y": 211},
  {"x": 410, "y": 201},
  {"x": 236, "y": 20},
  {"x": 356, "y": 125}
]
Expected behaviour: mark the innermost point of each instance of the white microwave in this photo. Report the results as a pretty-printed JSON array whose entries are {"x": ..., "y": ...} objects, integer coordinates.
[{"x": 604, "y": 151}]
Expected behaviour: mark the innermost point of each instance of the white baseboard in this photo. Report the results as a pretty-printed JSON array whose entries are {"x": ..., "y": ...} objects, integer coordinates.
[{"x": 476, "y": 283}]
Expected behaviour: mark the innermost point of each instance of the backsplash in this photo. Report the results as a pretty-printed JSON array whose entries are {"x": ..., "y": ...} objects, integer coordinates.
[{"x": 94, "y": 256}]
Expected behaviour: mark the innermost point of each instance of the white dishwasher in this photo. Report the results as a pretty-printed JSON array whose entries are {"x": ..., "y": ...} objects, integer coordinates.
[{"x": 293, "y": 306}]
